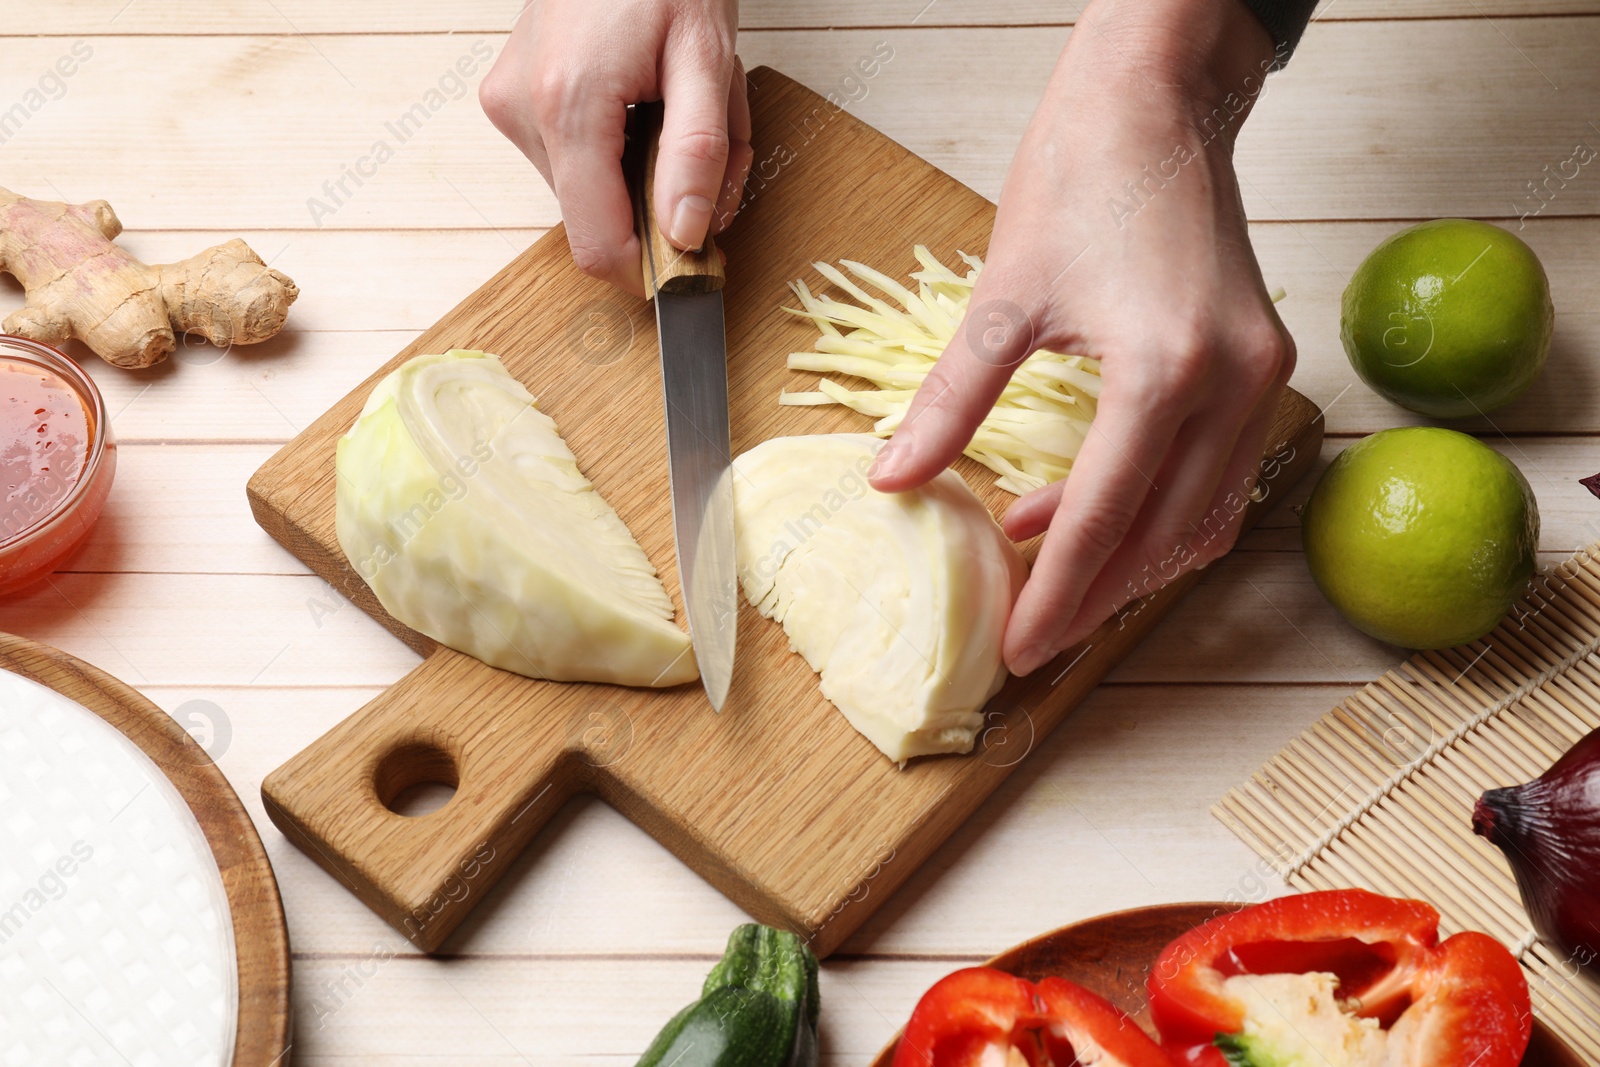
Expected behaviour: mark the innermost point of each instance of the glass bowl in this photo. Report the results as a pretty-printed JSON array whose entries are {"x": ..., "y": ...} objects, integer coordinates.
[{"x": 43, "y": 521}]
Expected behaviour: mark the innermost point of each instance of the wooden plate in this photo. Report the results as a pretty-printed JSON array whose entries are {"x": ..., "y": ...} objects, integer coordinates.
[
  {"x": 261, "y": 940},
  {"x": 1111, "y": 954}
]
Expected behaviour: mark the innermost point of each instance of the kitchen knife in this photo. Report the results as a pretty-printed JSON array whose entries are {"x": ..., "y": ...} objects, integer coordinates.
[{"x": 687, "y": 288}]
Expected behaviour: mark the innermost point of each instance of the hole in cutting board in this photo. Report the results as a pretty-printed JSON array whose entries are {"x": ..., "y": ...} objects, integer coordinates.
[{"x": 416, "y": 779}]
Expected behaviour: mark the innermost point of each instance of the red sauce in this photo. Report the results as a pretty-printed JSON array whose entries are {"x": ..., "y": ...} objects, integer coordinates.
[
  {"x": 45, "y": 435},
  {"x": 57, "y": 459}
]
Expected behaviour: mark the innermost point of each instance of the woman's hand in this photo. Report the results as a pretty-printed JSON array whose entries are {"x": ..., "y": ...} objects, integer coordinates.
[
  {"x": 1120, "y": 235},
  {"x": 560, "y": 90}
]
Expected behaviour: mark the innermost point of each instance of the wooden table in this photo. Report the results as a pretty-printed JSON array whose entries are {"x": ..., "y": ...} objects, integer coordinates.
[{"x": 200, "y": 121}]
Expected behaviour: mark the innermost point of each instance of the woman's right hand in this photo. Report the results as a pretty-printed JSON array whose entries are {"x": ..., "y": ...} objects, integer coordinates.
[{"x": 560, "y": 92}]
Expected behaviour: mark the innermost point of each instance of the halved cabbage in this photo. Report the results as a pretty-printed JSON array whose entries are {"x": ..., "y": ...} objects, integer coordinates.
[
  {"x": 466, "y": 513},
  {"x": 899, "y": 601}
]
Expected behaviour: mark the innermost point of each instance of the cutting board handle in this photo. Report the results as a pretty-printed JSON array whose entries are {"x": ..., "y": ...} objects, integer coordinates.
[
  {"x": 666, "y": 269},
  {"x": 512, "y": 758}
]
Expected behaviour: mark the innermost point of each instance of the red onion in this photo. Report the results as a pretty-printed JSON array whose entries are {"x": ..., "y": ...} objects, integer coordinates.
[{"x": 1549, "y": 829}]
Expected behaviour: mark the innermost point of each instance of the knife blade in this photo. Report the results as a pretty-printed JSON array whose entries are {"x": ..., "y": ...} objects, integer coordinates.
[{"x": 687, "y": 289}]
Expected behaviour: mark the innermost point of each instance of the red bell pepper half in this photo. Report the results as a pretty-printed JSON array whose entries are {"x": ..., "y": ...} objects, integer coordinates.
[
  {"x": 981, "y": 1016},
  {"x": 1460, "y": 1004}
]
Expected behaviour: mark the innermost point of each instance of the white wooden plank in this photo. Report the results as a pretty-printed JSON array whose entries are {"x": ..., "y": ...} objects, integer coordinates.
[
  {"x": 180, "y": 508},
  {"x": 1265, "y": 602},
  {"x": 253, "y": 127},
  {"x": 491, "y": 16},
  {"x": 384, "y": 286},
  {"x": 209, "y": 629},
  {"x": 266, "y": 393},
  {"x": 1419, "y": 141},
  {"x": 559, "y": 1012},
  {"x": 256, "y": 126},
  {"x": 366, "y": 294},
  {"x": 172, "y": 628},
  {"x": 350, "y": 279},
  {"x": 1118, "y": 796}
]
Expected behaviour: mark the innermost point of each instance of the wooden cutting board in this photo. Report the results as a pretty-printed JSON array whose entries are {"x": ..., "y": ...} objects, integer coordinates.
[{"x": 777, "y": 801}]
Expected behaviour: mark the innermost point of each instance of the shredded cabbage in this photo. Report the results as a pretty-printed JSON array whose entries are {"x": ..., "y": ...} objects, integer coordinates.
[{"x": 1037, "y": 426}]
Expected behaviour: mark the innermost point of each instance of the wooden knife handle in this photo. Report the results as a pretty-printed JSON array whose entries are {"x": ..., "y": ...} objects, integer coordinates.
[{"x": 666, "y": 269}]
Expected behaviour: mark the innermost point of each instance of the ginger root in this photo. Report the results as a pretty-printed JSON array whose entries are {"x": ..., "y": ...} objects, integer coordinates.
[{"x": 80, "y": 284}]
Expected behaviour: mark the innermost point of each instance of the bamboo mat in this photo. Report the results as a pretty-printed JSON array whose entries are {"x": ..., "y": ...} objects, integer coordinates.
[{"x": 1379, "y": 792}]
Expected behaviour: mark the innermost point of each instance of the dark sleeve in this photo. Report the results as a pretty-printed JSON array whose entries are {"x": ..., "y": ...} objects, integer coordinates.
[{"x": 1286, "y": 20}]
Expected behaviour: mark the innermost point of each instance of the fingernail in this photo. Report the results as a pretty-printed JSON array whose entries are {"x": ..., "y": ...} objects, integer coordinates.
[
  {"x": 891, "y": 455},
  {"x": 1032, "y": 659},
  {"x": 690, "y": 221},
  {"x": 883, "y": 462}
]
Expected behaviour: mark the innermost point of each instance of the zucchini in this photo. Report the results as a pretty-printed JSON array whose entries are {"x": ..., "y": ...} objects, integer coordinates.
[{"x": 758, "y": 1008}]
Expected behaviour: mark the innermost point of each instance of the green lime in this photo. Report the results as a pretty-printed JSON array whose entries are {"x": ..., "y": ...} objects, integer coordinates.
[
  {"x": 1421, "y": 536},
  {"x": 1448, "y": 318}
]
